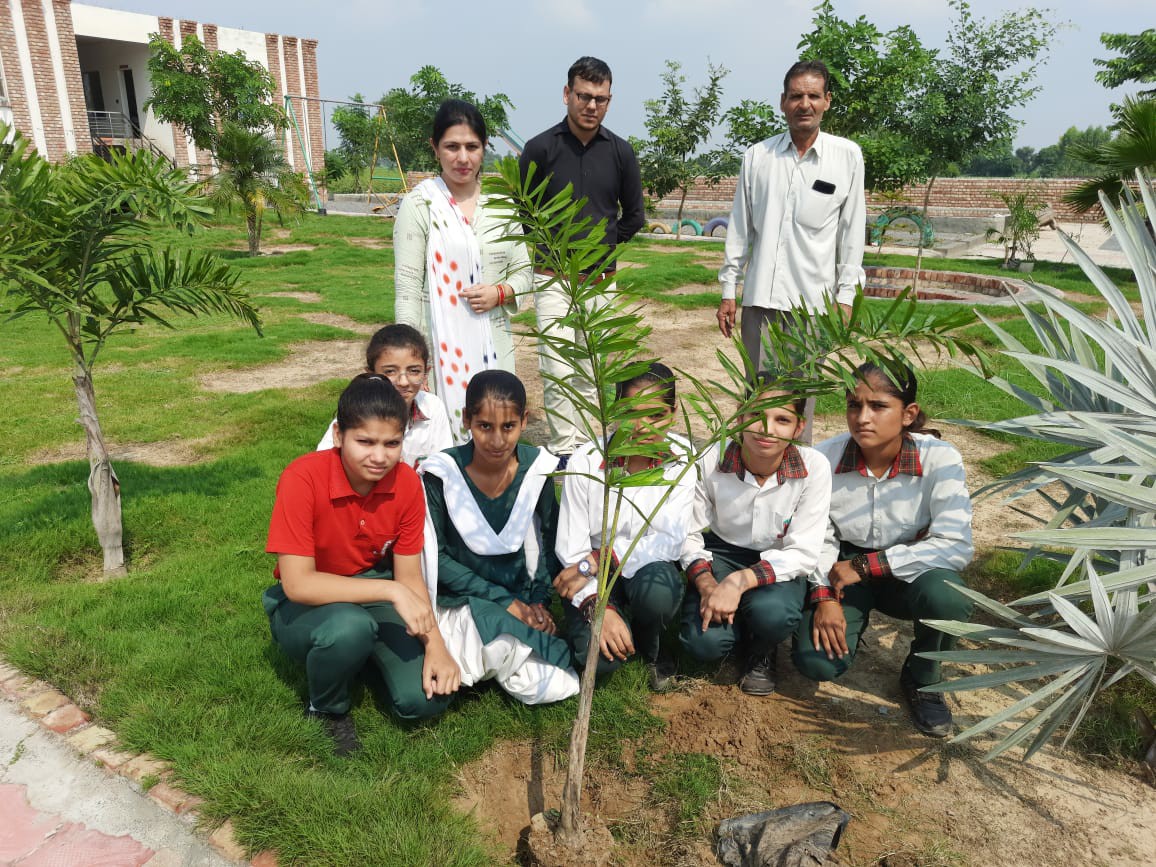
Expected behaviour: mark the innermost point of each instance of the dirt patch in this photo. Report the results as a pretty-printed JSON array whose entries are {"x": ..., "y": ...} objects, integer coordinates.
[
  {"x": 337, "y": 320},
  {"x": 307, "y": 364},
  {"x": 281, "y": 249},
  {"x": 370, "y": 243},
  {"x": 175, "y": 452},
  {"x": 303, "y": 297},
  {"x": 914, "y": 800}
]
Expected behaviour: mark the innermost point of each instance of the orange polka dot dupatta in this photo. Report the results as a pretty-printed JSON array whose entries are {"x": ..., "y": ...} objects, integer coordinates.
[{"x": 463, "y": 342}]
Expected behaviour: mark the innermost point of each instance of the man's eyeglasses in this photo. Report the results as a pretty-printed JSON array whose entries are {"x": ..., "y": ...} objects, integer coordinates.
[{"x": 587, "y": 98}]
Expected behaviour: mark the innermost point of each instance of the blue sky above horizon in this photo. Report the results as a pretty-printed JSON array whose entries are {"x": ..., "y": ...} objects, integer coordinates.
[{"x": 523, "y": 49}]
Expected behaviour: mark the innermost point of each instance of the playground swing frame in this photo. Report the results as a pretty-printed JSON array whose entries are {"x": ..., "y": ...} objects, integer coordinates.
[{"x": 295, "y": 126}]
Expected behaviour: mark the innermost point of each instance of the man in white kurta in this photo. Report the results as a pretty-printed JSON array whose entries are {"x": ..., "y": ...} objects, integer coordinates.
[{"x": 796, "y": 232}]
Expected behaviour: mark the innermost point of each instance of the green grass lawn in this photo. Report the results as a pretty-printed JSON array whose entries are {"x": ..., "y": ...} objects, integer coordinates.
[{"x": 176, "y": 657}]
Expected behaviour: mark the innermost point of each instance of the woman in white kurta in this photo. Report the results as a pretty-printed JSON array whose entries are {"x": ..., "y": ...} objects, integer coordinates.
[
  {"x": 455, "y": 279},
  {"x": 648, "y": 538},
  {"x": 899, "y": 535}
]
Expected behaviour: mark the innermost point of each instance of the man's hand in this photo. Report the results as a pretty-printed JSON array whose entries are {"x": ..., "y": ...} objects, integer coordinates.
[
  {"x": 726, "y": 316},
  {"x": 440, "y": 675},
  {"x": 615, "y": 641},
  {"x": 841, "y": 577},
  {"x": 829, "y": 629}
]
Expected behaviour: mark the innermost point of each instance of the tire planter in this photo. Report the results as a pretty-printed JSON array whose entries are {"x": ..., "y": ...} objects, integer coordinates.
[
  {"x": 688, "y": 224},
  {"x": 658, "y": 229},
  {"x": 715, "y": 224}
]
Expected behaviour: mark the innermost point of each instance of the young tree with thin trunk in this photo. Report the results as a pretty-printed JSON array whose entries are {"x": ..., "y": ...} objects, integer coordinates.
[
  {"x": 75, "y": 249},
  {"x": 678, "y": 127},
  {"x": 817, "y": 357}
]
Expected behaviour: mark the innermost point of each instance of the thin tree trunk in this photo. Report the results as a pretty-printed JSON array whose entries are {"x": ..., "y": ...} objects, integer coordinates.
[
  {"x": 570, "y": 825},
  {"x": 254, "y": 233},
  {"x": 102, "y": 480},
  {"x": 919, "y": 254},
  {"x": 681, "y": 203}
]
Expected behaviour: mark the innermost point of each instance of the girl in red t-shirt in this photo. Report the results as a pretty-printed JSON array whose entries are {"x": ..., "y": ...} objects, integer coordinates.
[{"x": 347, "y": 529}]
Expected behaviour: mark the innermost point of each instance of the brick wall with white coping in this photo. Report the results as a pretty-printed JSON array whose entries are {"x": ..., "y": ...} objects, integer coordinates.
[{"x": 949, "y": 197}]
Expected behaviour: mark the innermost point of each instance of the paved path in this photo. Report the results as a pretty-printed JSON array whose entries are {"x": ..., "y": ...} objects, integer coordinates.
[{"x": 59, "y": 809}]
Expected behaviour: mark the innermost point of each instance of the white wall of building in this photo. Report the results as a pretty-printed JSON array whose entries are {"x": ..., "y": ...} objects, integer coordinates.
[
  {"x": 103, "y": 23},
  {"x": 251, "y": 44}
]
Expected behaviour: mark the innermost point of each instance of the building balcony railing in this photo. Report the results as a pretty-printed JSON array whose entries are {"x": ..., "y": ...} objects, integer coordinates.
[{"x": 111, "y": 125}]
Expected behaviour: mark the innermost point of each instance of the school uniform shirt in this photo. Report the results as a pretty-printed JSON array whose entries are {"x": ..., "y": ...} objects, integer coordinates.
[
  {"x": 580, "y": 514},
  {"x": 427, "y": 434},
  {"x": 318, "y": 514},
  {"x": 797, "y": 225},
  {"x": 784, "y": 519},
  {"x": 917, "y": 516}
]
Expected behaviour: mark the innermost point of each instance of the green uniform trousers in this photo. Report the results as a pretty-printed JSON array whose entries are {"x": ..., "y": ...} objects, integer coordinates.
[
  {"x": 766, "y": 615},
  {"x": 336, "y": 640},
  {"x": 648, "y": 602},
  {"x": 927, "y": 597}
]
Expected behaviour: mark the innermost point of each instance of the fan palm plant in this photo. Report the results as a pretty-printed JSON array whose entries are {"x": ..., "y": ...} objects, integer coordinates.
[
  {"x": 1100, "y": 375},
  {"x": 255, "y": 176}
]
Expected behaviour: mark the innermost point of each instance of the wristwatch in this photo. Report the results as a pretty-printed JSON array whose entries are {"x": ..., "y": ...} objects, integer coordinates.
[
  {"x": 862, "y": 566},
  {"x": 584, "y": 568}
]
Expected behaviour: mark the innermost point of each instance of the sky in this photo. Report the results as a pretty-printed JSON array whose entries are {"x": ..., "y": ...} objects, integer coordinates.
[{"x": 523, "y": 49}]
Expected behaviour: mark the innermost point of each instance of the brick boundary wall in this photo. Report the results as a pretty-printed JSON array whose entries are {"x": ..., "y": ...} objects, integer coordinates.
[
  {"x": 180, "y": 145},
  {"x": 14, "y": 75},
  {"x": 62, "y": 9},
  {"x": 273, "y": 56},
  {"x": 949, "y": 197},
  {"x": 36, "y": 29}
]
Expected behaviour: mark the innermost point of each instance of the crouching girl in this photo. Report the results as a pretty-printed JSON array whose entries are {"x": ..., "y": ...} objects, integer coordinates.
[
  {"x": 764, "y": 500},
  {"x": 899, "y": 534},
  {"x": 493, "y": 514},
  {"x": 646, "y": 597},
  {"x": 347, "y": 529}
]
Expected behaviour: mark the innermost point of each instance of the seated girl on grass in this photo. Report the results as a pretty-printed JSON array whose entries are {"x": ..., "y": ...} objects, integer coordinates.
[
  {"x": 646, "y": 598},
  {"x": 493, "y": 518},
  {"x": 347, "y": 529},
  {"x": 900, "y": 532},
  {"x": 400, "y": 354},
  {"x": 764, "y": 500}
]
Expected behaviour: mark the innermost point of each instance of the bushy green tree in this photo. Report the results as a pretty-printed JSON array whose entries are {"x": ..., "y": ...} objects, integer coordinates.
[
  {"x": 254, "y": 176},
  {"x": 1136, "y": 63},
  {"x": 678, "y": 128},
  {"x": 199, "y": 90},
  {"x": 76, "y": 249},
  {"x": 409, "y": 114},
  {"x": 362, "y": 131}
]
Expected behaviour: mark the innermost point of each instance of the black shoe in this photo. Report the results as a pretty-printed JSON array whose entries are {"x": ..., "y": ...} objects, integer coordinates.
[
  {"x": 340, "y": 728},
  {"x": 660, "y": 673},
  {"x": 759, "y": 677},
  {"x": 929, "y": 711}
]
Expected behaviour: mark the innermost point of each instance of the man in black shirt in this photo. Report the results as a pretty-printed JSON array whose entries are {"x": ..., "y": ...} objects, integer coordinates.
[{"x": 603, "y": 168}]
